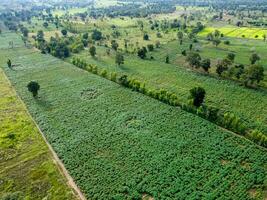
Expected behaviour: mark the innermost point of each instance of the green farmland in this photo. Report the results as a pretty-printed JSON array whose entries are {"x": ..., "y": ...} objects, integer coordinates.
[
  {"x": 133, "y": 100},
  {"x": 118, "y": 144}
]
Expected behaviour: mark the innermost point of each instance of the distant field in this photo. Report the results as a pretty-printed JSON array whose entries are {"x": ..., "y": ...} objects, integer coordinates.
[
  {"x": 118, "y": 144},
  {"x": 243, "y": 32},
  {"x": 71, "y": 11},
  {"x": 27, "y": 169}
]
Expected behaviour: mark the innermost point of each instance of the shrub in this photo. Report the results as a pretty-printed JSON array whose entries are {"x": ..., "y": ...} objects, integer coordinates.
[
  {"x": 104, "y": 73},
  {"x": 33, "y": 87},
  {"x": 197, "y": 94},
  {"x": 258, "y": 137},
  {"x": 113, "y": 77}
]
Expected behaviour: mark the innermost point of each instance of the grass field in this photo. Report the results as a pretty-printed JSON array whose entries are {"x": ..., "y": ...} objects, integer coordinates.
[
  {"x": 27, "y": 169},
  {"x": 118, "y": 144}
]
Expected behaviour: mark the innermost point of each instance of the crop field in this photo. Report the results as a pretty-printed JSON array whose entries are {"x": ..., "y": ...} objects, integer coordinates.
[
  {"x": 246, "y": 103},
  {"x": 242, "y": 32},
  {"x": 118, "y": 144},
  {"x": 27, "y": 169}
]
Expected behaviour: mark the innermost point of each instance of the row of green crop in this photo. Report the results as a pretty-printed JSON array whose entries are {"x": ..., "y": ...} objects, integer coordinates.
[{"x": 213, "y": 114}]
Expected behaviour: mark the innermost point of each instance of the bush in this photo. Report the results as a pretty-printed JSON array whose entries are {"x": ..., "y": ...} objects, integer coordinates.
[
  {"x": 113, "y": 77},
  {"x": 227, "y": 42},
  {"x": 104, "y": 73},
  {"x": 197, "y": 94},
  {"x": 258, "y": 137},
  {"x": 232, "y": 122}
]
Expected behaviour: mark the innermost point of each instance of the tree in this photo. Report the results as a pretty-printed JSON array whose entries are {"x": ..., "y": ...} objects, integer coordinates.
[
  {"x": 96, "y": 35},
  {"x": 167, "y": 60},
  {"x": 64, "y": 32},
  {"x": 119, "y": 59},
  {"x": 210, "y": 37},
  {"x": 222, "y": 66},
  {"x": 9, "y": 64},
  {"x": 25, "y": 32},
  {"x": 40, "y": 36},
  {"x": 197, "y": 94},
  {"x": 190, "y": 47},
  {"x": 33, "y": 87},
  {"x": 193, "y": 59},
  {"x": 180, "y": 36},
  {"x": 150, "y": 47},
  {"x": 45, "y": 24},
  {"x": 142, "y": 53},
  {"x": 205, "y": 64},
  {"x": 231, "y": 57},
  {"x": 216, "y": 42},
  {"x": 92, "y": 51},
  {"x": 85, "y": 36},
  {"x": 217, "y": 33},
  {"x": 114, "y": 45},
  {"x": 146, "y": 36},
  {"x": 254, "y": 73},
  {"x": 254, "y": 58}
]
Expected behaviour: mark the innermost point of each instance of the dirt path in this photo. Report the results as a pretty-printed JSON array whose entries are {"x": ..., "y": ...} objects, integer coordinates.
[{"x": 55, "y": 158}]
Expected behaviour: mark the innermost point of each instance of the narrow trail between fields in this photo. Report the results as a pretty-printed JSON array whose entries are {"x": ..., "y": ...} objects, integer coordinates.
[{"x": 78, "y": 193}]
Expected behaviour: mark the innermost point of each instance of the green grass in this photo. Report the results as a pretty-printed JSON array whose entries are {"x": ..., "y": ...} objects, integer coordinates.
[
  {"x": 118, "y": 144},
  {"x": 27, "y": 168}
]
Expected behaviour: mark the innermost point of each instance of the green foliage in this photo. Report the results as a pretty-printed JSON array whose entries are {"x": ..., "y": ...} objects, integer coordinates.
[
  {"x": 254, "y": 58},
  {"x": 150, "y": 47},
  {"x": 33, "y": 87},
  {"x": 113, "y": 77},
  {"x": 96, "y": 35},
  {"x": 180, "y": 36},
  {"x": 92, "y": 51},
  {"x": 193, "y": 59},
  {"x": 119, "y": 59},
  {"x": 254, "y": 73},
  {"x": 205, "y": 64},
  {"x": 198, "y": 96},
  {"x": 142, "y": 53},
  {"x": 258, "y": 137},
  {"x": 114, "y": 45},
  {"x": 9, "y": 64},
  {"x": 234, "y": 123},
  {"x": 146, "y": 36}
]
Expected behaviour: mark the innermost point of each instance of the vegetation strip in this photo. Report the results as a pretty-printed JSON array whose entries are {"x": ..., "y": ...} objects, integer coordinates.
[{"x": 26, "y": 161}]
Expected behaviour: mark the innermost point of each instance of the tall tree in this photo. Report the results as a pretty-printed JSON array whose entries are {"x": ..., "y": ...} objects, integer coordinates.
[
  {"x": 33, "y": 87},
  {"x": 180, "y": 36},
  {"x": 92, "y": 51},
  {"x": 119, "y": 59},
  {"x": 197, "y": 94}
]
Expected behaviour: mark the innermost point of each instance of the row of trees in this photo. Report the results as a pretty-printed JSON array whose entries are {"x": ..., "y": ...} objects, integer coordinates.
[{"x": 249, "y": 75}]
